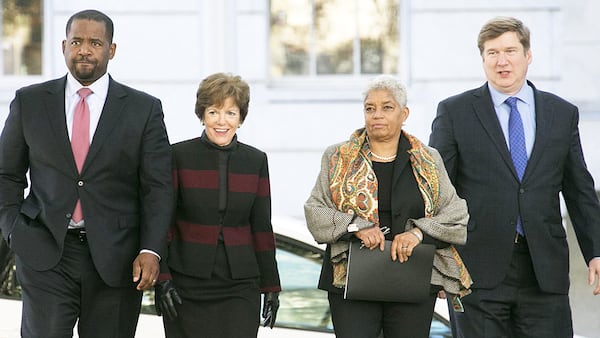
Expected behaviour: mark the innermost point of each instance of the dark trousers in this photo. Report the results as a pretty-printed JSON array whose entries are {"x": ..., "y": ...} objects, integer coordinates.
[
  {"x": 217, "y": 307},
  {"x": 361, "y": 319},
  {"x": 517, "y": 308},
  {"x": 55, "y": 299}
]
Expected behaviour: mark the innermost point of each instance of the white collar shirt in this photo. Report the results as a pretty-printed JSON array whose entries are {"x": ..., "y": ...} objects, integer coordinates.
[{"x": 95, "y": 101}]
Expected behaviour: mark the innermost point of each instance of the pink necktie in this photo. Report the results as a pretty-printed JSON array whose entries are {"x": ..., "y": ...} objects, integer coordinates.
[{"x": 80, "y": 139}]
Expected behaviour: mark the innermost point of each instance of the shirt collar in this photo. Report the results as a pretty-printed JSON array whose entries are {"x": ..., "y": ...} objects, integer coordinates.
[
  {"x": 525, "y": 94},
  {"x": 99, "y": 87}
]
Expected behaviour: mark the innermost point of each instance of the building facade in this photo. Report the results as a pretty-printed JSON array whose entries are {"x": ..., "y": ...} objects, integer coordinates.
[{"x": 307, "y": 61}]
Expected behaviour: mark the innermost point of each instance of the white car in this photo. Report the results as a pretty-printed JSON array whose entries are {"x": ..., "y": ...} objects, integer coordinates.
[{"x": 304, "y": 309}]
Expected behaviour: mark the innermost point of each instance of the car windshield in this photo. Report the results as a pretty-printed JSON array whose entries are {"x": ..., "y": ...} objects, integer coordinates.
[{"x": 302, "y": 305}]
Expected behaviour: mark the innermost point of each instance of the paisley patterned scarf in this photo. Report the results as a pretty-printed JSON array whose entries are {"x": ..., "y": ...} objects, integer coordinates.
[
  {"x": 354, "y": 184},
  {"x": 353, "y": 187}
]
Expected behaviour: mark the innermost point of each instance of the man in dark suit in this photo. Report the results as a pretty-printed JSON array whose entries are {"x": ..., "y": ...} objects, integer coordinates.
[
  {"x": 90, "y": 268},
  {"x": 510, "y": 159}
]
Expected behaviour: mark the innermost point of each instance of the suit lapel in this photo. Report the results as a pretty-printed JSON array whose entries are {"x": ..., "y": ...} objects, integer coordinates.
[
  {"x": 484, "y": 109},
  {"x": 544, "y": 115},
  {"x": 108, "y": 119},
  {"x": 57, "y": 119}
]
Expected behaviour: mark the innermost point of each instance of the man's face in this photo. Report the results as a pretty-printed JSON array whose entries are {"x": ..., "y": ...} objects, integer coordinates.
[
  {"x": 87, "y": 50},
  {"x": 505, "y": 63}
]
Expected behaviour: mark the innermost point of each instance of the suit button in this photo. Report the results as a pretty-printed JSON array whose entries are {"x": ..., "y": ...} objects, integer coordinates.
[
  {"x": 68, "y": 216},
  {"x": 522, "y": 191},
  {"x": 80, "y": 183}
]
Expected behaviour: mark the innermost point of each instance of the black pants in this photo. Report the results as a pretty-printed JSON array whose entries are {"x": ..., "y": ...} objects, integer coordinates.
[
  {"x": 217, "y": 307},
  {"x": 361, "y": 319},
  {"x": 517, "y": 308},
  {"x": 55, "y": 299}
]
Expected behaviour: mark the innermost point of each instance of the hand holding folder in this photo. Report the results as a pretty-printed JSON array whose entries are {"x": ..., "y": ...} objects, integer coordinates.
[{"x": 373, "y": 276}]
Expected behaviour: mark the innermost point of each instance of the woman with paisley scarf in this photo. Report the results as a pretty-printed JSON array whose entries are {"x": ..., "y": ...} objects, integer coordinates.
[{"x": 383, "y": 176}]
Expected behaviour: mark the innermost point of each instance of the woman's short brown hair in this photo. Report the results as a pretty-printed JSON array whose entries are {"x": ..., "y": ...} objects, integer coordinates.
[{"x": 216, "y": 88}]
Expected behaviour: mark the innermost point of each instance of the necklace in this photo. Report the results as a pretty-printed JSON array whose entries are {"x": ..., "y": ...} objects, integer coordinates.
[{"x": 385, "y": 158}]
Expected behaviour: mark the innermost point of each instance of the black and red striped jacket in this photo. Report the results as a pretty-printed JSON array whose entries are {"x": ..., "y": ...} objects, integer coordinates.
[{"x": 244, "y": 226}]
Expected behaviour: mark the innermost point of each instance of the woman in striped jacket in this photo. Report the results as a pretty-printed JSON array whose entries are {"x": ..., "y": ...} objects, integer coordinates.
[{"x": 221, "y": 247}]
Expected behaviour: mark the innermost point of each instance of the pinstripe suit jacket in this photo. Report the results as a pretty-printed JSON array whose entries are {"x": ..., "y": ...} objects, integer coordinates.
[{"x": 468, "y": 135}]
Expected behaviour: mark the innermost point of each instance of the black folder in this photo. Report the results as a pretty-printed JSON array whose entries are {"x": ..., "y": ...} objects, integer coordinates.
[{"x": 373, "y": 276}]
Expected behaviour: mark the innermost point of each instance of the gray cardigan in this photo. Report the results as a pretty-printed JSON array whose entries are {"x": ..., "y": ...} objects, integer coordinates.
[{"x": 328, "y": 225}]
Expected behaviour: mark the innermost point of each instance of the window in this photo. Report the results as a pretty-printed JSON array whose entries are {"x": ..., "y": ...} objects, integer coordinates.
[
  {"x": 21, "y": 37},
  {"x": 333, "y": 37}
]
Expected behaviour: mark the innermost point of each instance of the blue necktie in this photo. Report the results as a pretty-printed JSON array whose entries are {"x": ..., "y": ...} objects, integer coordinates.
[{"x": 516, "y": 137}]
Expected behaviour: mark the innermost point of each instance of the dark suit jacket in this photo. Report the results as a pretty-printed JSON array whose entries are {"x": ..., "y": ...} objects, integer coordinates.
[
  {"x": 468, "y": 135},
  {"x": 244, "y": 226},
  {"x": 124, "y": 187}
]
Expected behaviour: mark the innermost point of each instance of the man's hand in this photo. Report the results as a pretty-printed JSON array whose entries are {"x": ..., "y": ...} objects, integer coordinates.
[
  {"x": 165, "y": 297},
  {"x": 594, "y": 274},
  {"x": 270, "y": 307},
  {"x": 145, "y": 270}
]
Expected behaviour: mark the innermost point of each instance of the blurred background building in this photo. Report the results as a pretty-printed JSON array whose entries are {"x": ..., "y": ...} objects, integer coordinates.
[{"x": 307, "y": 61}]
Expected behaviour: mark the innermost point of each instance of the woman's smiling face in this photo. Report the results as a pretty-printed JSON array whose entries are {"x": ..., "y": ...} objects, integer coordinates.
[{"x": 221, "y": 123}]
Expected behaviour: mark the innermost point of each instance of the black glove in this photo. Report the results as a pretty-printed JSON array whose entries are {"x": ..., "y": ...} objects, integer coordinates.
[
  {"x": 165, "y": 297},
  {"x": 270, "y": 307}
]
